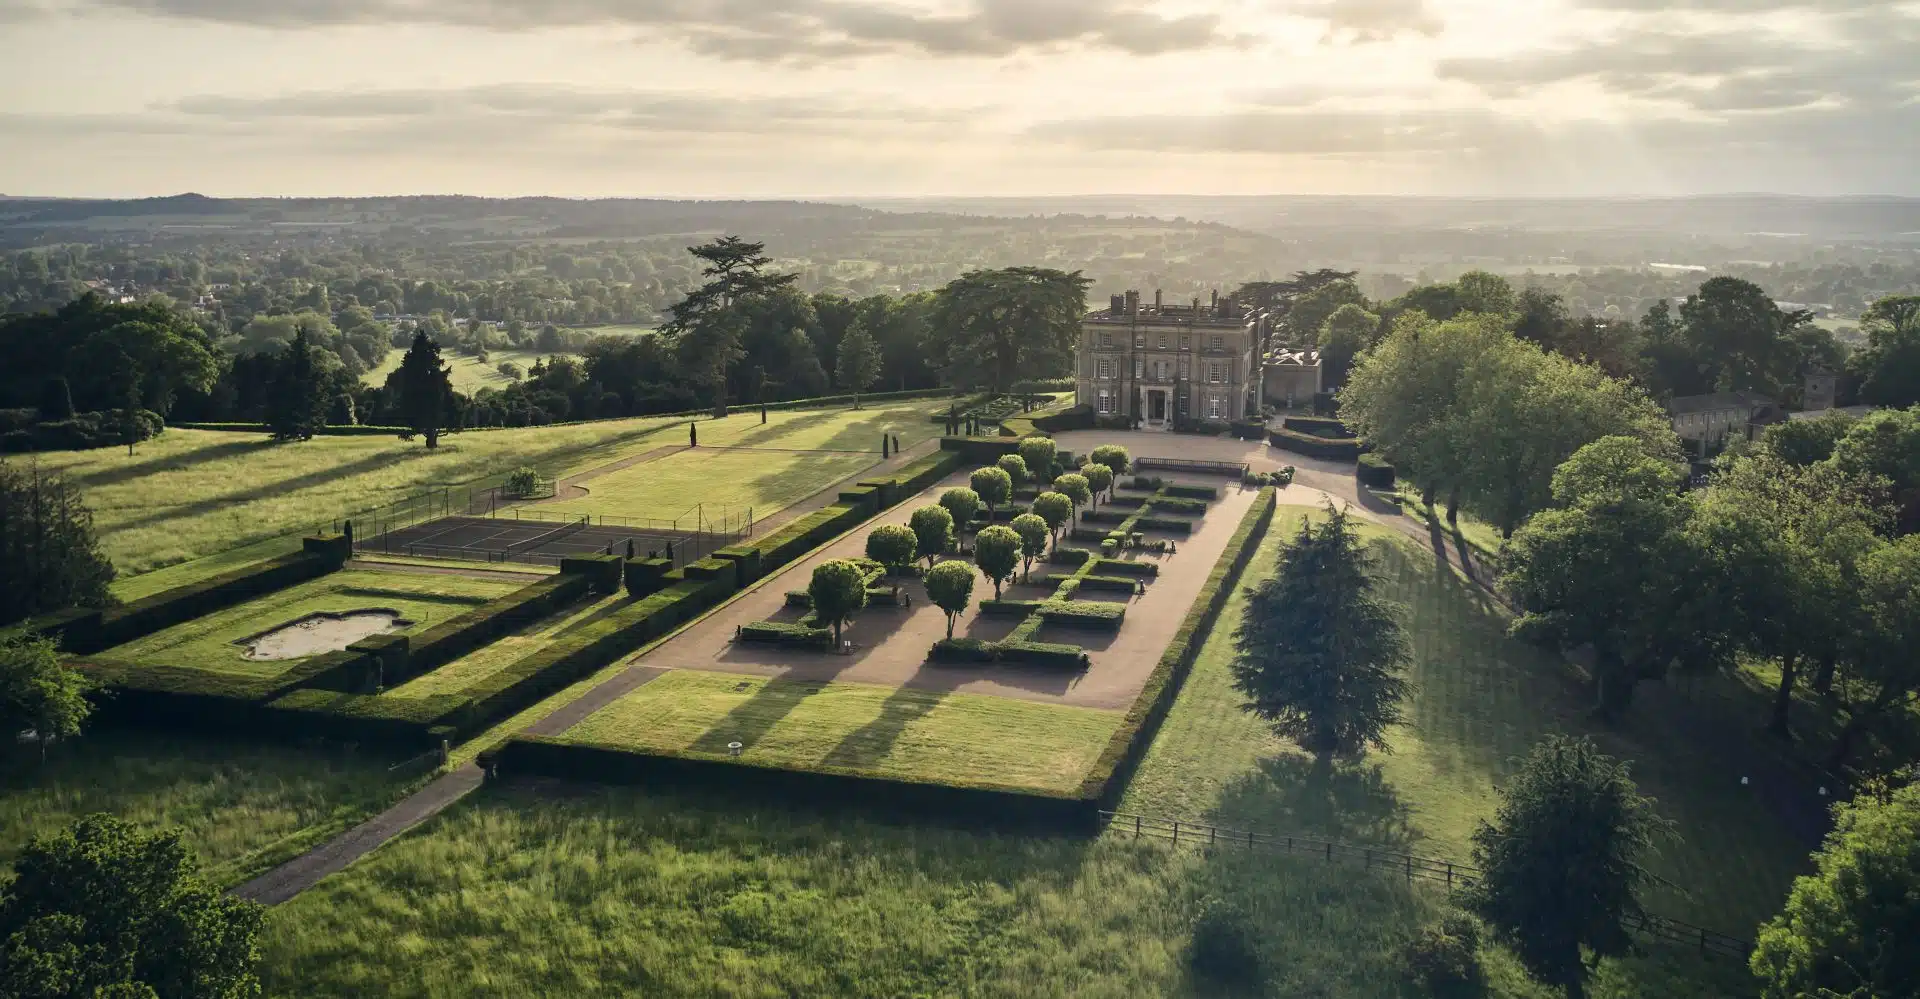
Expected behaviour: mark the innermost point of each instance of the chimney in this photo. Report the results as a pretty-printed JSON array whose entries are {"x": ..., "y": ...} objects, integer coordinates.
[
  {"x": 1117, "y": 304},
  {"x": 1133, "y": 302},
  {"x": 1216, "y": 301},
  {"x": 1156, "y": 300}
]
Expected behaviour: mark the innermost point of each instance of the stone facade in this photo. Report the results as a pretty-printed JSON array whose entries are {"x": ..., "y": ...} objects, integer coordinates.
[
  {"x": 1709, "y": 421},
  {"x": 1168, "y": 364},
  {"x": 1292, "y": 377}
]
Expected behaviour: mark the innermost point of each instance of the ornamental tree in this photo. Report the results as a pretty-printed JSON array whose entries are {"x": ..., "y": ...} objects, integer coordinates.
[
  {"x": 993, "y": 485},
  {"x": 1034, "y": 535},
  {"x": 1015, "y": 467},
  {"x": 892, "y": 545},
  {"x": 1055, "y": 509},
  {"x": 838, "y": 590},
  {"x": 932, "y": 528},
  {"x": 1038, "y": 453},
  {"x": 1075, "y": 487},
  {"x": 950, "y": 587},
  {"x": 997, "y": 551},
  {"x": 1114, "y": 457},
  {"x": 1099, "y": 479},
  {"x": 1847, "y": 929},
  {"x": 963, "y": 504},
  {"x": 38, "y": 691},
  {"x": 1321, "y": 654},
  {"x": 1560, "y": 862}
]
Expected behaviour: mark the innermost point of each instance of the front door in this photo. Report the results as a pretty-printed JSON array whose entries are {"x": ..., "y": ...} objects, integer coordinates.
[{"x": 1157, "y": 406}]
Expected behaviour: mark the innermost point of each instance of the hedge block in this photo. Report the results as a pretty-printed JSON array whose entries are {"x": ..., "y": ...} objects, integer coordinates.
[
  {"x": 1327, "y": 448},
  {"x": 746, "y": 559},
  {"x": 1125, "y": 567},
  {"x": 1043, "y": 654},
  {"x": 335, "y": 546},
  {"x": 1084, "y": 614},
  {"x": 1374, "y": 472},
  {"x": 646, "y": 576}
]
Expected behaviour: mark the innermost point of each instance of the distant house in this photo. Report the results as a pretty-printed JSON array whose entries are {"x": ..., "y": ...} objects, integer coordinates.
[{"x": 1709, "y": 421}]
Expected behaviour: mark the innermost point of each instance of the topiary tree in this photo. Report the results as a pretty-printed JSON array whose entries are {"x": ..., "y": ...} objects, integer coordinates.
[
  {"x": 997, "y": 551},
  {"x": 1015, "y": 467},
  {"x": 1055, "y": 509},
  {"x": 892, "y": 545},
  {"x": 104, "y": 909},
  {"x": 963, "y": 504},
  {"x": 1847, "y": 930},
  {"x": 993, "y": 485},
  {"x": 1099, "y": 479},
  {"x": 950, "y": 587},
  {"x": 1561, "y": 861},
  {"x": 1114, "y": 457},
  {"x": 933, "y": 530},
  {"x": 1320, "y": 652},
  {"x": 838, "y": 590},
  {"x": 1039, "y": 453},
  {"x": 1034, "y": 535},
  {"x": 1074, "y": 487}
]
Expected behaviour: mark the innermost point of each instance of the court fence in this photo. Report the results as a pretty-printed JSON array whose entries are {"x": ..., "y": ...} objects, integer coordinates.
[{"x": 1201, "y": 835}]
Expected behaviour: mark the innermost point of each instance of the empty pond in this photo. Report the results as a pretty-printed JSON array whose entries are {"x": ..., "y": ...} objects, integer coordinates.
[{"x": 321, "y": 632}]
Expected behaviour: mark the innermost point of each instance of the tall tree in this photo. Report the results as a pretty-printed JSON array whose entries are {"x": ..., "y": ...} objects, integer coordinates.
[
  {"x": 1321, "y": 654},
  {"x": 425, "y": 387},
  {"x": 859, "y": 363},
  {"x": 1483, "y": 292},
  {"x": 105, "y": 909},
  {"x": 1615, "y": 567},
  {"x": 297, "y": 406},
  {"x": 1738, "y": 335},
  {"x": 1540, "y": 316},
  {"x": 1350, "y": 330},
  {"x": 995, "y": 327},
  {"x": 1880, "y": 679},
  {"x": 50, "y": 557},
  {"x": 1847, "y": 929},
  {"x": 38, "y": 691},
  {"x": 707, "y": 324},
  {"x": 1561, "y": 862},
  {"x": 1889, "y": 367}
]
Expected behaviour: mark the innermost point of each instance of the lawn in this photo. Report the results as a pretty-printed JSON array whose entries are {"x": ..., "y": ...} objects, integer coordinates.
[
  {"x": 968, "y": 739},
  {"x": 468, "y": 373},
  {"x": 722, "y": 481},
  {"x": 241, "y": 805},
  {"x": 475, "y": 666},
  {"x": 1481, "y": 699},
  {"x": 209, "y": 642}
]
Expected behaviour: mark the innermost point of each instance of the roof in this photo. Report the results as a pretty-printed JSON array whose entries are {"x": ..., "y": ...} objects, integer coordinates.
[
  {"x": 1301, "y": 358},
  {"x": 1716, "y": 401}
]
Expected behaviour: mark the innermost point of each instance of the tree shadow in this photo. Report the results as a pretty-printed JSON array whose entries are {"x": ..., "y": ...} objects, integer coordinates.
[
  {"x": 750, "y": 720},
  {"x": 1353, "y": 803},
  {"x": 870, "y": 743},
  {"x": 214, "y": 452},
  {"x": 368, "y": 464}
]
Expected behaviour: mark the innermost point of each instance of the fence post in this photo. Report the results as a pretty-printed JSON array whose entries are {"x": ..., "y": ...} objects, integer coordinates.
[
  {"x": 1329, "y": 853},
  {"x": 1211, "y": 833},
  {"x": 1449, "y": 875},
  {"x": 1136, "y": 827},
  {"x": 1176, "y": 832},
  {"x": 1703, "y": 940},
  {"x": 1409, "y": 867}
]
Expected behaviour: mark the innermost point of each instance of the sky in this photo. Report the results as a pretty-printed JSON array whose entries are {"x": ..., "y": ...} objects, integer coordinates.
[{"x": 872, "y": 98}]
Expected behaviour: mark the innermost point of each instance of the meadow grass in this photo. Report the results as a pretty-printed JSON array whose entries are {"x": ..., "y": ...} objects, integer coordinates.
[
  {"x": 468, "y": 373},
  {"x": 733, "y": 481},
  {"x": 209, "y": 642},
  {"x": 239, "y": 805},
  {"x": 967, "y": 739},
  {"x": 1480, "y": 700}
]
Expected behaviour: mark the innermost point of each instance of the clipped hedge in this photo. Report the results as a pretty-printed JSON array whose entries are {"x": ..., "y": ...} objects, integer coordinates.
[
  {"x": 1111, "y": 584},
  {"x": 1126, "y": 567},
  {"x": 1326, "y": 448},
  {"x": 1175, "y": 503},
  {"x": 1043, "y": 654},
  {"x": 122, "y": 624},
  {"x": 1084, "y": 614},
  {"x": 1108, "y": 778},
  {"x": 1009, "y": 608},
  {"x": 1105, "y": 516},
  {"x": 1068, "y": 556},
  {"x": 459, "y": 635},
  {"x": 1374, "y": 472},
  {"x": 1318, "y": 426},
  {"x": 1172, "y": 525},
  {"x": 784, "y": 633},
  {"x": 1188, "y": 490}
]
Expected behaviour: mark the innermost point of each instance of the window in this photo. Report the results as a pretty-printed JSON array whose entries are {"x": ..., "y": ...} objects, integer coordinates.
[
  {"x": 1213, "y": 407},
  {"x": 1106, "y": 340},
  {"x": 1183, "y": 405},
  {"x": 1213, "y": 372},
  {"x": 1140, "y": 340},
  {"x": 1186, "y": 342},
  {"x": 1163, "y": 341},
  {"x": 1139, "y": 367},
  {"x": 1106, "y": 402},
  {"x": 1104, "y": 369},
  {"x": 1217, "y": 341}
]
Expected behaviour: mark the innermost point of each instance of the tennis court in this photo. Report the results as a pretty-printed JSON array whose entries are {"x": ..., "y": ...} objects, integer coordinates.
[{"x": 543, "y": 540}]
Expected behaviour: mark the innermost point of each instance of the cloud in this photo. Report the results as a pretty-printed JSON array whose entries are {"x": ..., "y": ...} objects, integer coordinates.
[
  {"x": 1373, "y": 20},
  {"x": 761, "y": 30},
  {"x": 1306, "y": 132}
]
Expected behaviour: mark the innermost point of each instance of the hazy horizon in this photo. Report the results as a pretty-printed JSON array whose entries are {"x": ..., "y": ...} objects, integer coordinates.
[{"x": 857, "y": 100}]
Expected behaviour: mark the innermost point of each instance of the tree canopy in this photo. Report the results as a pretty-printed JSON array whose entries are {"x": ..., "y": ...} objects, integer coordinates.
[
  {"x": 990, "y": 327},
  {"x": 838, "y": 590},
  {"x": 997, "y": 551},
  {"x": 50, "y": 557},
  {"x": 950, "y": 587}
]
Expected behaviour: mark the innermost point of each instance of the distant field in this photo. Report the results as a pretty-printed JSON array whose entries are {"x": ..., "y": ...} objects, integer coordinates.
[
  {"x": 967, "y": 739},
  {"x": 469, "y": 375},
  {"x": 208, "y": 642}
]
